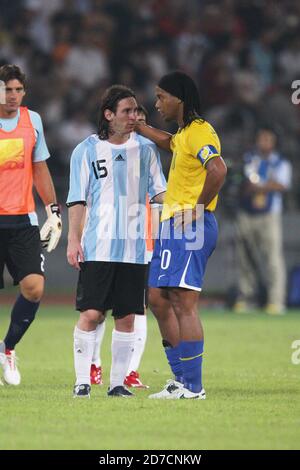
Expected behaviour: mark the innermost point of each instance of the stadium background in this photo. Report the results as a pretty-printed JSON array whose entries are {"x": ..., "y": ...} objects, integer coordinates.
[{"x": 244, "y": 56}]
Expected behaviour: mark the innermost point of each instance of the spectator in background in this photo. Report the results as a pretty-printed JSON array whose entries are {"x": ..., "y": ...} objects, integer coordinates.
[
  {"x": 86, "y": 64},
  {"x": 260, "y": 252},
  {"x": 191, "y": 46},
  {"x": 262, "y": 57},
  {"x": 72, "y": 131},
  {"x": 289, "y": 60}
]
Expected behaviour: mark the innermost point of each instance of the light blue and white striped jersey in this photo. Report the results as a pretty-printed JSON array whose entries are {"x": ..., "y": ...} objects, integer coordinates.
[{"x": 113, "y": 180}]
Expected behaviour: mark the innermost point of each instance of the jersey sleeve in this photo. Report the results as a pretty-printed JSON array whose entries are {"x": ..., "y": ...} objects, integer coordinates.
[
  {"x": 40, "y": 151},
  {"x": 157, "y": 182},
  {"x": 172, "y": 143},
  {"x": 284, "y": 176},
  {"x": 203, "y": 143},
  {"x": 79, "y": 175}
]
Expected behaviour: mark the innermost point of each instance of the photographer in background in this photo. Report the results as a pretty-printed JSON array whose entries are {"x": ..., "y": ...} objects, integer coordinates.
[{"x": 259, "y": 224}]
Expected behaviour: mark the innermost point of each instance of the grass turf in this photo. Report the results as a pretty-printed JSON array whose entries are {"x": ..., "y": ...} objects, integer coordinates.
[{"x": 253, "y": 399}]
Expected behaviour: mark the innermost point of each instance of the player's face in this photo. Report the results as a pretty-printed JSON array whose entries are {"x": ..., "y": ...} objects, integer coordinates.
[
  {"x": 141, "y": 118},
  {"x": 14, "y": 94},
  {"x": 123, "y": 120},
  {"x": 167, "y": 105},
  {"x": 266, "y": 141}
]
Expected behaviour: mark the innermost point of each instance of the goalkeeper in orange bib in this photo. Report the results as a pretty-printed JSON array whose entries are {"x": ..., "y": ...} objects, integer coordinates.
[{"x": 23, "y": 155}]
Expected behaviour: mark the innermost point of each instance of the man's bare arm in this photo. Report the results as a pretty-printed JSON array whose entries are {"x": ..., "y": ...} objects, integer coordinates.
[
  {"x": 215, "y": 177},
  {"x": 267, "y": 187},
  {"x": 43, "y": 183},
  {"x": 74, "y": 250},
  {"x": 159, "y": 198},
  {"x": 161, "y": 138}
]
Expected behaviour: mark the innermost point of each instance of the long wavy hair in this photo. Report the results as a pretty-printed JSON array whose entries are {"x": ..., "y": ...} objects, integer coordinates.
[{"x": 110, "y": 100}]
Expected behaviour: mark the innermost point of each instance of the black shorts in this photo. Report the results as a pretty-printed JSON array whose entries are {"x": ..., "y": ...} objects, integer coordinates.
[
  {"x": 118, "y": 286},
  {"x": 146, "y": 284},
  {"x": 21, "y": 252}
]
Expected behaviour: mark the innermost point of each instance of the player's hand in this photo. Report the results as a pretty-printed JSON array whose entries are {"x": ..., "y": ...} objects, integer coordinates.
[
  {"x": 51, "y": 231},
  {"x": 186, "y": 217},
  {"x": 75, "y": 253},
  {"x": 138, "y": 125}
]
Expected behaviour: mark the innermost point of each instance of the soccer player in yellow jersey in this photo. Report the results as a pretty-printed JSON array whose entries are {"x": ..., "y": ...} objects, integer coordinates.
[{"x": 188, "y": 231}]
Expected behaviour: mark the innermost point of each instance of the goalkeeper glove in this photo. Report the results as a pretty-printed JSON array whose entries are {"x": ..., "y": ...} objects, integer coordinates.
[{"x": 52, "y": 228}]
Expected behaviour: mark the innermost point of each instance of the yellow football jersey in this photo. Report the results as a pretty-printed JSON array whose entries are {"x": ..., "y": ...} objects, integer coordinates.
[{"x": 193, "y": 147}]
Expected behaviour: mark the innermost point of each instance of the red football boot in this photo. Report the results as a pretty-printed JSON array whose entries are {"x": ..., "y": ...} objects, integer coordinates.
[
  {"x": 133, "y": 380},
  {"x": 96, "y": 375}
]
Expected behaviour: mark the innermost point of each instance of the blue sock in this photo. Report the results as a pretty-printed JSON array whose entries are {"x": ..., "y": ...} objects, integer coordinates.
[
  {"x": 22, "y": 316},
  {"x": 173, "y": 356},
  {"x": 191, "y": 361}
]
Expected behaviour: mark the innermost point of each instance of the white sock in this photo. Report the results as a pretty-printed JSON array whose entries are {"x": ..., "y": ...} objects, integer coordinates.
[
  {"x": 121, "y": 350},
  {"x": 84, "y": 343},
  {"x": 140, "y": 331},
  {"x": 96, "y": 359}
]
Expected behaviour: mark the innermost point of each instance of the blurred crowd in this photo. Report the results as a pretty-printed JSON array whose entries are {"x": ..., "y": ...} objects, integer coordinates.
[{"x": 243, "y": 54}]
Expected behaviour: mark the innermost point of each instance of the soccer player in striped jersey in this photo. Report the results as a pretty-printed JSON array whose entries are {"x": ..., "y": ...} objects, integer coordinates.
[
  {"x": 132, "y": 378},
  {"x": 188, "y": 231},
  {"x": 111, "y": 173}
]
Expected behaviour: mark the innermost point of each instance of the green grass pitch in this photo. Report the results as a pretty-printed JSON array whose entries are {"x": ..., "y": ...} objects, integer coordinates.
[{"x": 253, "y": 399}]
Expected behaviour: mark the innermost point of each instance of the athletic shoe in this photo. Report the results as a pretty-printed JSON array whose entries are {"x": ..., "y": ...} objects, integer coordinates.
[
  {"x": 243, "y": 307},
  {"x": 2, "y": 357},
  {"x": 96, "y": 375},
  {"x": 133, "y": 380},
  {"x": 11, "y": 373},
  {"x": 82, "y": 391},
  {"x": 2, "y": 353},
  {"x": 187, "y": 394},
  {"x": 275, "y": 309},
  {"x": 169, "y": 392},
  {"x": 176, "y": 391},
  {"x": 120, "y": 391}
]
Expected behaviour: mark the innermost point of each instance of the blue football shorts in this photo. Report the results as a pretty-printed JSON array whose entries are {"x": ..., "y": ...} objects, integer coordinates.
[{"x": 180, "y": 256}]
